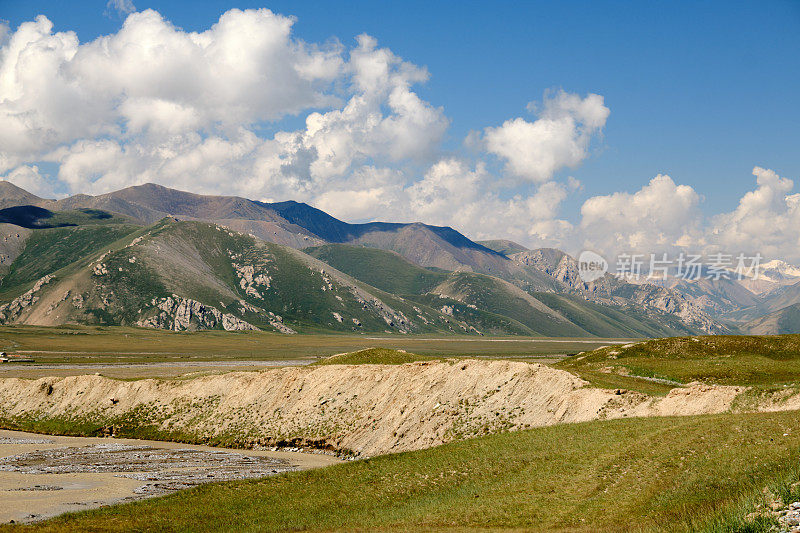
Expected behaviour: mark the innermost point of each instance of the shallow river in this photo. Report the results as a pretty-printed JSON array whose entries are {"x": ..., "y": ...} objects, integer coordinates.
[{"x": 42, "y": 476}]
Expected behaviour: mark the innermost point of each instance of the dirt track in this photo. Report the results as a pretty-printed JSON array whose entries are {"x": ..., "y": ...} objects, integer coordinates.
[
  {"x": 365, "y": 409},
  {"x": 161, "y": 369}
]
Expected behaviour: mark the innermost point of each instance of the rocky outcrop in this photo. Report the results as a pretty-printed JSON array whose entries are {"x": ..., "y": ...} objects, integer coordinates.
[
  {"x": 675, "y": 303},
  {"x": 251, "y": 281},
  {"x": 610, "y": 290},
  {"x": 182, "y": 314},
  {"x": 11, "y": 311}
]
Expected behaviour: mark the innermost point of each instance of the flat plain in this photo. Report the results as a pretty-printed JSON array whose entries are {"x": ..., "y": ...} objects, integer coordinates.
[{"x": 130, "y": 353}]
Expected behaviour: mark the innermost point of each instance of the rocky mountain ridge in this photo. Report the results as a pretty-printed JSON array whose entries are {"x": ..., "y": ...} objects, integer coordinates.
[{"x": 700, "y": 308}]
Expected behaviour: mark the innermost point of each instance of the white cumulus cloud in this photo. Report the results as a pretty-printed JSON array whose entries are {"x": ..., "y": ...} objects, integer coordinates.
[
  {"x": 559, "y": 138},
  {"x": 661, "y": 216},
  {"x": 207, "y": 111},
  {"x": 766, "y": 221}
]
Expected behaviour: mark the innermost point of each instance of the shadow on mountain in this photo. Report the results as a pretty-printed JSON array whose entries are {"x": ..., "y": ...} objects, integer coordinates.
[
  {"x": 334, "y": 230},
  {"x": 33, "y": 217},
  {"x": 29, "y": 216}
]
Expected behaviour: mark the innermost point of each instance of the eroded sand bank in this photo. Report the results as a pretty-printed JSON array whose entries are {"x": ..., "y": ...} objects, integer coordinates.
[{"x": 363, "y": 409}]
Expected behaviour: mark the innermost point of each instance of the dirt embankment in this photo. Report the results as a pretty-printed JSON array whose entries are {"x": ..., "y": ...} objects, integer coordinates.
[{"x": 365, "y": 409}]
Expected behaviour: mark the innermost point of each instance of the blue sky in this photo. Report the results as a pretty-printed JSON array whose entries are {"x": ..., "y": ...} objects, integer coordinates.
[{"x": 702, "y": 91}]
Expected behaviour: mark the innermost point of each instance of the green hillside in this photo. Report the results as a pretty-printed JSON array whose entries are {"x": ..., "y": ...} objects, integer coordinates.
[
  {"x": 782, "y": 321},
  {"x": 605, "y": 321},
  {"x": 388, "y": 271},
  {"x": 503, "y": 246},
  {"x": 196, "y": 275},
  {"x": 502, "y": 298},
  {"x": 48, "y": 250},
  {"x": 374, "y": 356},
  {"x": 495, "y": 304},
  {"x": 209, "y": 264},
  {"x": 209, "y": 277}
]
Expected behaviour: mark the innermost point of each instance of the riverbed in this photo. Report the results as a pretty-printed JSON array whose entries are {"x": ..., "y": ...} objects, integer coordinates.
[{"x": 42, "y": 476}]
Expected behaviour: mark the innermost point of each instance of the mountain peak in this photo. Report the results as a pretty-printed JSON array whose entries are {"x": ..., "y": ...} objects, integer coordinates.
[{"x": 12, "y": 195}]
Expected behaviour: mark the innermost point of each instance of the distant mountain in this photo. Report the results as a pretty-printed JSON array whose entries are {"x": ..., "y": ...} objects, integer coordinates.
[
  {"x": 778, "y": 271},
  {"x": 610, "y": 290},
  {"x": 291, "y": 223},
  {"x": 716, "y": 297},
  {"x": 778, "y": 298},
  {"x": 786, "y": 320},
  {"x": 198, "y": 275},
  {"x": 12, "y": 196},
  {"x": 539, "y": 313},
  {"x": 499, "y": 286},
  {"x": 503, "y": 246},
  {"x": 771, "y": 276}
]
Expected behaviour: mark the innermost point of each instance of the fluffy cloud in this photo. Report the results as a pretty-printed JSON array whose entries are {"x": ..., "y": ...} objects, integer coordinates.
[
  {"x": 361, "y": 131},
  {"x": 29, "y": 178},
  {"x": 666, "y": 217},
  {"x": 766, "y": 221},
  {"x": 559, "y": 138},
  {"x": 152, "y": 77},
  {"x": 121, "y": 7},
  {"x": 661, "y": 216},
  {"x": 453, "y": 194}
]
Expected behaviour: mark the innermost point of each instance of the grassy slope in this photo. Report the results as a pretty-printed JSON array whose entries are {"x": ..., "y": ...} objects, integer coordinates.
[
  {"x": 486, "y": 292},
  {"x": 387, "y": 271},
  {"x": 673, "y": 474},
  {"x": 609, "y": 322},
  {"x": 726, "y": 360},
  {"x": 783, "y": 321},
  {"x": 391, "y": 272},
  {"x": 374, "y": 356},
  {"x": 503, "y": 246},
  {"x": 201, "y": 267},
  {"x": 48, "y": 250}
]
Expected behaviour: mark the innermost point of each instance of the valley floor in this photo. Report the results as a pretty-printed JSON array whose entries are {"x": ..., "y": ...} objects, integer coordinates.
[
  {"x": 699, "y": 473},
  {"x": 684, "y": 440}
]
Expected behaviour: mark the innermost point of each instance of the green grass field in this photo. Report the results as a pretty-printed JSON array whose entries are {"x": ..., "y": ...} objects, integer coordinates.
[
  {"x": 48, "y": 250},
  {"x": 702, "y": 473},
  {"x": 100, "y": 344},
  {"x": 767, "y": 362}
]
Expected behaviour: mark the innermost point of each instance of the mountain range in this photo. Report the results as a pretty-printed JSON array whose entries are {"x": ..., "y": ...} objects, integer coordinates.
[{"x": 152, "y": 256}]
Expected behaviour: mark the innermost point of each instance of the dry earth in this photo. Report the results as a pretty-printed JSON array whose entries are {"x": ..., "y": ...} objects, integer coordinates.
[{"x": 365, "y": 409}]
